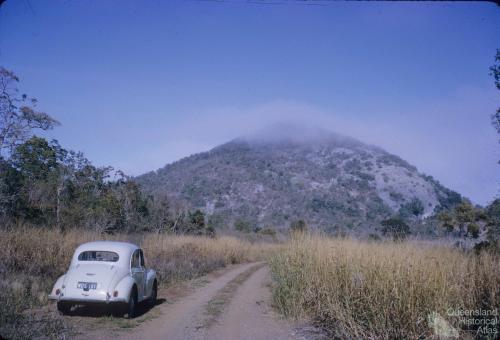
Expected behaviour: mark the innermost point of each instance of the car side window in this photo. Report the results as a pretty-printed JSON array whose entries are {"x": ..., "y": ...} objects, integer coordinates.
[
  {"x": 135, "y": 263},
  {"x": 142, "y": 259}
]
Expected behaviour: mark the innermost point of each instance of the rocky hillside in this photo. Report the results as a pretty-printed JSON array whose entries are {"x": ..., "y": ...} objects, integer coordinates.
[{"x": 287, "y": 173}]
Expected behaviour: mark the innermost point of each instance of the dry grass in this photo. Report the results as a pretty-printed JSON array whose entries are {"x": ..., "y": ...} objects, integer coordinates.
[
  {"x": 186, "y": 257},
  {"x": 31, "y": 259},
  {"x": 358, "y": 289}
]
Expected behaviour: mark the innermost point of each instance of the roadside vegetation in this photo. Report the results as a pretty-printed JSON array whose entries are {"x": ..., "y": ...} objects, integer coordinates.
[
  {"x": 383, "y": 289},
  {"x": 33, "y": 258}
]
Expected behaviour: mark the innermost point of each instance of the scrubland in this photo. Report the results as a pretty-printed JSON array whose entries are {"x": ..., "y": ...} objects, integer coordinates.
[
  {"x": 361, "y": 289},
  {"x": 349, "y": 288},
  {"x": 31, "y": 259}
]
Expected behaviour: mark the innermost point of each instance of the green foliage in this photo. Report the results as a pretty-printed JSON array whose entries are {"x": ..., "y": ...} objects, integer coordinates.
[
  {"x": 493, "y": 223},
  {"x": 468, "y": 220},
  {"x": 464, "y": 212},
  {"x": 487, "y": 246},
  {"x": 473, "y": 230},
  {"x": 414, "y": 208},
  {"x": 243, "y": 226},
  {"x": 44, "y": 184},
  {"x": 195, "y": 225},
  {"x": 446, "y": 220},
  {"x": 395, "y": 227}
]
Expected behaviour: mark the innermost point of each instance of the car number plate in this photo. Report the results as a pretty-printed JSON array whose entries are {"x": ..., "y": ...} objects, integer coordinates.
[{"x": 87, "y": 285}]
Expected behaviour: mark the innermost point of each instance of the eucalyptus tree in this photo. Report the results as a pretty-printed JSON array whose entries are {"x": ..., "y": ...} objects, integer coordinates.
[{"x": 18, "y": 114}]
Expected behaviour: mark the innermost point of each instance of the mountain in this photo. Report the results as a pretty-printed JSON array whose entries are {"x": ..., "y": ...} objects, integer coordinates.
[{"x": 285, "y": 173}]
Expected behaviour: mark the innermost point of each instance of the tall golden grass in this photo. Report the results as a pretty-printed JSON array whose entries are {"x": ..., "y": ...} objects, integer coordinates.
[
  {"x": 31, "y": 259},
  {"x": 357, "y": 289},
  {"x": 185, "y": 257}
]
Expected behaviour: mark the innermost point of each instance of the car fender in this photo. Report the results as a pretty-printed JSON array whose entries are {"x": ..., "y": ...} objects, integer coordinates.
[
  {"x": 58, "y": 285},
  {"x": 150, "y": 278},
  {"x": 124, "y": 287}
]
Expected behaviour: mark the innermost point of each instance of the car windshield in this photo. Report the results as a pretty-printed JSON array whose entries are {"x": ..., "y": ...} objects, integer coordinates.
[{"x": 98, "y": 255}]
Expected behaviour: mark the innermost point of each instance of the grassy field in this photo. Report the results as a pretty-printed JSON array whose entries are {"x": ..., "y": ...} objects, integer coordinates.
[
  {"x": 31, "y": 260},
  {"x": 356, "y": 289},
  {"x": 351, "y": 288}
]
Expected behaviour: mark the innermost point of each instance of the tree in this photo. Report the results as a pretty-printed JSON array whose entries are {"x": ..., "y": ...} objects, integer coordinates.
[
  {"x": 495, "y": 72},
  {"x": 493, "y": 226},
  {"x": 197, "y": 221},
  {"x": 464, "y": 214},
  {"x": 194, "y": 224},
  {"x": 160, "y": 216},
  {"x": 10, "y": 187},
  {"x": 473, "y": 230},
  {"x": 395, "y": 227},
  {"x": 446, "y": 220},
  {"x": 133, "y": 204},
  {"x": 36, "y": 161},
  {"x": 18, "y": 114}
]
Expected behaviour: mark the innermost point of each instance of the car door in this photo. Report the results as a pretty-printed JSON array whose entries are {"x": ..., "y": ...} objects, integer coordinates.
[
  {"x": 138, "y": 273},
  {"x": 144, "y": 273}
]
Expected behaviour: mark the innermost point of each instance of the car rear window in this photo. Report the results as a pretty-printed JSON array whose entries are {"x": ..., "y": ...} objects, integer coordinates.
[{"x": 98, "y": 255}]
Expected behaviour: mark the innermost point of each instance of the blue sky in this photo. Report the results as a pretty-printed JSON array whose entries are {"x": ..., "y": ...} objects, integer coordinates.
[{"x": 139, "y": 84}]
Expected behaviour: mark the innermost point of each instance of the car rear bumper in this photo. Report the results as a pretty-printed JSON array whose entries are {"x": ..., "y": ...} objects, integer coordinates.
[{"x": 81, "y": 300}]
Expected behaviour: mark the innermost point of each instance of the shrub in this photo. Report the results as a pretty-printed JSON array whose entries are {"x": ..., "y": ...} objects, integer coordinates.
[
  {"x": 446, "y": 220},
  {"x": 413, "y": 208},
  {"x": 298, "y": 226},
  {"x": 395, "y": 227},
  {"x": 268, "y": 231},
  {"x": 488, "y": 246},
  {"x": 243, "y": 226},
  {"x": 473, "y": 230}
]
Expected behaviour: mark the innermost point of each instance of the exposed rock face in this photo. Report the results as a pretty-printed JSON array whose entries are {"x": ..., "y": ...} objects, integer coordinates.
[{"x": 288, "y": 173}]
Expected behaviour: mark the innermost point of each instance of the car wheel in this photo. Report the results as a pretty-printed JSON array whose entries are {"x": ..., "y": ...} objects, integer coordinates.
[
  {"x": 63, "y": 307},
  {"x": 132, "y": 305},
  {"x": 154, "y": 294}
]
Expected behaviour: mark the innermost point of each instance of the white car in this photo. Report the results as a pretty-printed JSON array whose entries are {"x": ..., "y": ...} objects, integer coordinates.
[{"x": 106, "y": 272}]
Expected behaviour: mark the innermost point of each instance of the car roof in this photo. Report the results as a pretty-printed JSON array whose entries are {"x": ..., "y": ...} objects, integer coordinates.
[
  {"x": 109, "y": 246},
  {"x": 123, "y": 249}
]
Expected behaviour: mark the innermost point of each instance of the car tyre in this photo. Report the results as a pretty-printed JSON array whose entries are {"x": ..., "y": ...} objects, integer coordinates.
[
  {"x": 63, "y": 307},
  {"x": 154, "y": 294},
  {"x": 132, "y": 305}
]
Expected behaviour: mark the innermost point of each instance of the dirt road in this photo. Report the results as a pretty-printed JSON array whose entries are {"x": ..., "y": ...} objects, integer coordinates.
[{"x": 235, "y": 305}]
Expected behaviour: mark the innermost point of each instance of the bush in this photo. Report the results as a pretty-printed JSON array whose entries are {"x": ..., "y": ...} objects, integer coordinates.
[
  {"x": 298, "y": 226},
  {"x": 243, "y": 226},
  {"x": 395, "y": 227},
  {"x": 268, "y": 231},
  {"x": 446, "y": 220},
  {"x": 413, "y": 208},
  {"x": 488, "y": 246},
  {"x": 473, "y": 230}
]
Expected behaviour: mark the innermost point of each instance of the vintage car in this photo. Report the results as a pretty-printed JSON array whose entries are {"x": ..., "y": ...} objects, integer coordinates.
[{"x": 106, "y": 273}]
